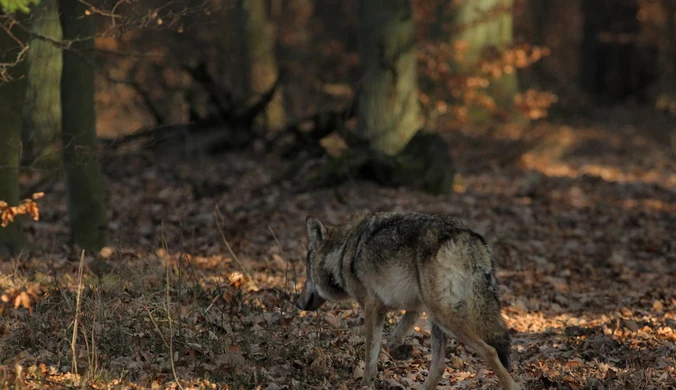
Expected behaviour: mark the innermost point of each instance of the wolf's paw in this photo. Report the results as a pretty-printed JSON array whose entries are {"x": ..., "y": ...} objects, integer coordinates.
[{"x": 401, "y": 352}]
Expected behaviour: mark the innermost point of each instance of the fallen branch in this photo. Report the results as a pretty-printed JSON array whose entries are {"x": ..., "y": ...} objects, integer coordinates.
[{"x": 231, "y": 124}]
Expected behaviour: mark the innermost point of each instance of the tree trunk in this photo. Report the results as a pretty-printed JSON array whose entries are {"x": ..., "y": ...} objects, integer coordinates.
[
  {"x": 666, "y": 84},
  {"x": 12, "y": 94},
  {"x": 540, "y": 13},
  {"x": 260, "y": 64},
  {"x": 614, "y": 64},
  {"x": 668, "y": 50},
  {"x": 481, "y": 26},
  {"x": 42, "y": 113},
  {"x": 84, "y": 182},
  {"x": 388, "y": 109}
]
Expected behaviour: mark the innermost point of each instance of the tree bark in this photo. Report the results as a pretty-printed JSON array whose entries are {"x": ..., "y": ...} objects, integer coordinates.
[
  {"x": 84, "y": 182},
  {"x": 666, "y": 90},
  {"x": 41, "y": 133},
  {"x": 388, "y": 109},
  {"x": 12, "y": 94},
  {"x": 257, "y": 36},
  {"x": 481, "y": 25},
  {"x": 614, "y": 64}
]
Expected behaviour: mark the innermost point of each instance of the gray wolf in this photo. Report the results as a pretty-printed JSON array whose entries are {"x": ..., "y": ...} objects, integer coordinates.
[{"x": 414, "y": 262}]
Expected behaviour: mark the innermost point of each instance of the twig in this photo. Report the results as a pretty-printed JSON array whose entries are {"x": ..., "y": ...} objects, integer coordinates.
[
  {"x": 227, "y": 244},
  {"x": 77, "y": 311},
  {"x": 171, "y": 332},
  {"x": 9, "y": 32},
  {"x": 286, "y": 269},
  {"x": 157, "y": 328},
  {"x": 148, "y": 102}
]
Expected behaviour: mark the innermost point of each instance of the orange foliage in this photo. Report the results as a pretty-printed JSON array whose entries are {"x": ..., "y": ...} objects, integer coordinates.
[
  {"x": 27, "y": 206},
  {"x": 471, "y": 89},
  {"x": 459, "y": 88}
]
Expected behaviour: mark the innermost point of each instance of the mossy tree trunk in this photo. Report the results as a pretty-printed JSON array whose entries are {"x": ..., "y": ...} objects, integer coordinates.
[
  {"x": 41, "y": 133},
  {"x": 392, "y": 148},
  {"x": 12, "y": 94},
  {"x": 84, "y": 182},
  {"x": 478, "y": 26},
  {"x": 388, "y": 108},
  {"x": 257, "y": 37}
]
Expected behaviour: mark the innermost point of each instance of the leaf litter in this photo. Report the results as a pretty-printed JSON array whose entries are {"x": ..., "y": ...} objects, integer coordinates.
[{"x": 583, "y": 239}]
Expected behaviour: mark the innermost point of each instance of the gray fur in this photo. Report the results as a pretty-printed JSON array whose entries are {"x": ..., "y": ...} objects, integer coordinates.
[{"x": 414, "y": 262}]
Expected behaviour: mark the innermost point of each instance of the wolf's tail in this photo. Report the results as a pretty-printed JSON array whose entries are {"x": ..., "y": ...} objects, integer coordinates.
[
  {"x": 491, "y": 326},
  {"x": 494, "y": 330}
]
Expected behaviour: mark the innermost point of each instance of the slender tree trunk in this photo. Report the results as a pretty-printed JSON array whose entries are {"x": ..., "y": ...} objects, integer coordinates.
[
  {"x": 388, "y": 111},
  {"x": 540, "y": 12},
  {"x": 299, "y": 42},
  {"x": 12, "y": 94},
  {"x": 668, "y": 48},
  {"x": 480, "y": 25},
  {"x": 260, "y": 64},
  {"x": 42, "y": 113},
  {"x": 84, "y": 182}
]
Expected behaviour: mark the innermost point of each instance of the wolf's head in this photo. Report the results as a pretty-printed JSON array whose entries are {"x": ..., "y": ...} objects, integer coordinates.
[{"x": 310, "y": 298}]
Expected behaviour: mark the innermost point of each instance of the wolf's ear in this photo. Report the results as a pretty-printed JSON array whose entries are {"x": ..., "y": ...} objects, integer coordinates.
[{"x": 316, "y": 232}]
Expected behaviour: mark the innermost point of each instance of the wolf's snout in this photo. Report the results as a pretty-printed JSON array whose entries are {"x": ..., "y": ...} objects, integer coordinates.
[
  {"x": 301, "y": 303},
  {"x": 309, "y": 300}
]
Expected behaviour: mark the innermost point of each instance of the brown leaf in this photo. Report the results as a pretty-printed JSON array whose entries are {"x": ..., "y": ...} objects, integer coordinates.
[
  {"x": 230, "y": 359},
  {"x": 657, "y": 305},
  {"x": 358, "y": 372},
  {"x": 630, "y": 324}
]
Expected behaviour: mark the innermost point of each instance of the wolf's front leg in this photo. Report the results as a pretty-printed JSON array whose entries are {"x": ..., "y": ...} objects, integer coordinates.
[{"x": 374, "y": 317}]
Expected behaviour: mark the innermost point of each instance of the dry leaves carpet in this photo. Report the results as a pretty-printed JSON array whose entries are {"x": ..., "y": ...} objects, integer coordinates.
[{"x": 197, "y": 289}]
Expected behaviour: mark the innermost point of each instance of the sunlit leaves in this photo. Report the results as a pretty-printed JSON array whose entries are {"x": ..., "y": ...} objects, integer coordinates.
[
  {"x": 12, "y": 6},
  {"x": 27, "y": 207},
  {"x": 460, "y": 90},
  {"x": 534, "y": 104}
]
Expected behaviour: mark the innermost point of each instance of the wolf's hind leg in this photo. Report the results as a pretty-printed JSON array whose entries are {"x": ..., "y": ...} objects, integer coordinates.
[
  {"x": 469, "y": 337},
  {"x": 403, "y": 328},
  {"x": 374, "y": 318},
  {"x": 438, "y": 364}
]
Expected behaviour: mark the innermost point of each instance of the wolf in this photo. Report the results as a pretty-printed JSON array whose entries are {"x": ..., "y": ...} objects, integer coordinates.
[{"x": 414, "y": 262}]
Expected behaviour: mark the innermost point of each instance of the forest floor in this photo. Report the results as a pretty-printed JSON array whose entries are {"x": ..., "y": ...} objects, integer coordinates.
[{"x": 200, "y": 281}]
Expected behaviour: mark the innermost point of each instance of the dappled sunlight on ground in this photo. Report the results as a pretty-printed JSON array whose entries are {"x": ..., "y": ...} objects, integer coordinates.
[
  {"x": 583, "y": 242},
  {"x": 607, "y": 173}
]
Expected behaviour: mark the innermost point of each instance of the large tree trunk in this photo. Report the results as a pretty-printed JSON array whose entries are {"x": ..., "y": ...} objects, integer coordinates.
[
  {"x": 389, "y": 111},
  {"x": 480, "y": 26},
  {"x": 12, "y": 94},
  {"x": 84, "y": 182},
  {"x": 614, "y": 64},
  {"x": 42, "y": 113},
  {"x": 257, "y": 37}
]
